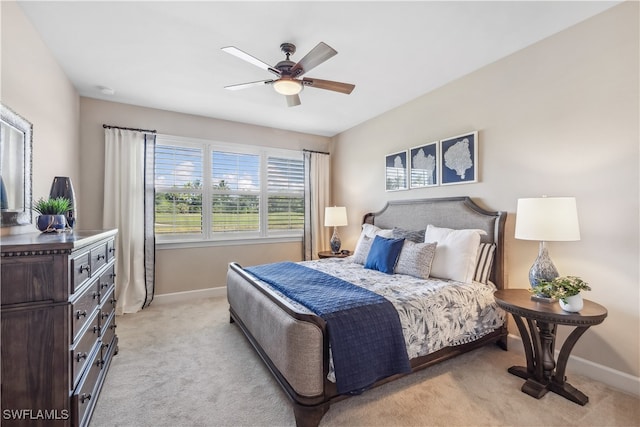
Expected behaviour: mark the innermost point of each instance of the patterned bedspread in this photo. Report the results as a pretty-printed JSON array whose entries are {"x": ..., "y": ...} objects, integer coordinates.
[{"x": 434, "y": 313}]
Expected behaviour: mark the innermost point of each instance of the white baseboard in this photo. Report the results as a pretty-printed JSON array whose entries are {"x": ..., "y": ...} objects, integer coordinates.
[
  {"x": 611, "y": 377},
  {"x": 175, "y": 297}
]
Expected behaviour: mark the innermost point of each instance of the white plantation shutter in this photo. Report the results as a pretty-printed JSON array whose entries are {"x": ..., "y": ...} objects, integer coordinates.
[
  {"x": 178, "y": 178},
  {"x": 236, "y": 192},
  {"x": 285, "y": 193}
]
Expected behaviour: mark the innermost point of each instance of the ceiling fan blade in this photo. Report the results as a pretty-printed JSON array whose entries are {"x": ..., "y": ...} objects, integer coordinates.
[
  {"x": 346, "y": 88},
  {"x": 250, "y": 59},
  {"x": 292, "y": 100},
  {"x": 246, "y": 85},
  {"x": 315, "y": 57}
]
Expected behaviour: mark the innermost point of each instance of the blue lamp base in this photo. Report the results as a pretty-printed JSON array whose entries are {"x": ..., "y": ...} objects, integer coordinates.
[
  {"x": 542, "y": 269},
  {"x": 335, "y": 241}
]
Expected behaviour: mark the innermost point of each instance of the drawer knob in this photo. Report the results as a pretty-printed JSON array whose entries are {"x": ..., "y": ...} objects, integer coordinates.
[
  {"x": 96, "y": 295},
  {"x": 96, "y": 329},
  {"x": 83, "y": 268},
  {"x": 112, "y": 250},
  {"x": 85, "y": 397},
  {"x": 80, "y": 314},
  {"x": 104, "y": 285},
  {"x": 100, "y": 256},
  {"x": 104, "y": 315},
  {"x": 100, "y": 363},
  {"x": 81, "y": 356}
]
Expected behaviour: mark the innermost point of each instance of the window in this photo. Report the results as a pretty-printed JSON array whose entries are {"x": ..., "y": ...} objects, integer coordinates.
[
  {"x": 285, "y": 193},
  {"x": 213, "y": 191}
]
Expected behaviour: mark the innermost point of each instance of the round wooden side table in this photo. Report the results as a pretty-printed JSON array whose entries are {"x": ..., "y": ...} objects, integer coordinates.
[
  {"x": 542, "y": 373},
  {"x": 329, "y": 254}
]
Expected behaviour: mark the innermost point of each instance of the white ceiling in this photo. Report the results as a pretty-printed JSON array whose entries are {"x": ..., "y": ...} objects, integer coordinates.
[{"x": 167, "y": 55}]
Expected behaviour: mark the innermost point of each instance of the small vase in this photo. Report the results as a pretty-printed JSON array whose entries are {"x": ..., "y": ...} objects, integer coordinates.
[
  {"x": 574, "y": 303},
  {"x": 51, "y": 223}
]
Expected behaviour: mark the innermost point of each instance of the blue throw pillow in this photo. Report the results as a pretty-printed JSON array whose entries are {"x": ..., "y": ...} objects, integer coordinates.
[{"x": 383, "y": 254}]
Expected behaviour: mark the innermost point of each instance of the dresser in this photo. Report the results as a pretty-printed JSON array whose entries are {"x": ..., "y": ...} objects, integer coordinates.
[{"x": 58, "y": 325}]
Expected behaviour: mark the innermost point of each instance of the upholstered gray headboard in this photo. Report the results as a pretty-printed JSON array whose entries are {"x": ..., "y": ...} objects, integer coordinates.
[{"x": 450, "y": 212}]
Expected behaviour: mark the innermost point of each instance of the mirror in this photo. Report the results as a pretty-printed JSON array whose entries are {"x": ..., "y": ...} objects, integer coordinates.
[{"x": 15, "y": 168}]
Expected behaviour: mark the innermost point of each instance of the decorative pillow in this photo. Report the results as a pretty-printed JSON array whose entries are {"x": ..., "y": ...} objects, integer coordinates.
[
  {"x": 415, "y": 259},
  {"x": 484, "y": 262},
  {"x": 362, "y": 249},
  {"x": 456, "y": 253},
  {"x": 383, "y": 255},
  {"x": 365, "y": 240},
  {"x": 416, "y": 236}
]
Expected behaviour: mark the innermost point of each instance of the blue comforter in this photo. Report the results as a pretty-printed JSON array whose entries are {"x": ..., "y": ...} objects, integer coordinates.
[{"x": 364, "y": 328}]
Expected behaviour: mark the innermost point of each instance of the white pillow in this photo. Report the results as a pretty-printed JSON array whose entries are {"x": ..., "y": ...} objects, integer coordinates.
[
  {"x": 456, "y": 253},
  {"x": 363, "y": 245}
]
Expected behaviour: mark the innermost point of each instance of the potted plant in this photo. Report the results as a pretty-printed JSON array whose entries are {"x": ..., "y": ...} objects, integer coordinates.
[
  {"x": 566, "y": 290},
  {"x": 52, "y": 213}
]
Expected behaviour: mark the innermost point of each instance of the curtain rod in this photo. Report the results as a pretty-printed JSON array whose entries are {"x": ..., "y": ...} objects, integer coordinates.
[
  {"x": 314, "y": 151},
  {"x": 134, "y": 129}
]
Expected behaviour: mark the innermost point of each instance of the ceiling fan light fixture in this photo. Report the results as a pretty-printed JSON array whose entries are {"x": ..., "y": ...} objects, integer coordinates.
[{"x": 287, "y": 86}]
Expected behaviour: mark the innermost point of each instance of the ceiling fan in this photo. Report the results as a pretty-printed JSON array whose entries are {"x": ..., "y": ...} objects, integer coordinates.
[{"x": 289, "y": 82}]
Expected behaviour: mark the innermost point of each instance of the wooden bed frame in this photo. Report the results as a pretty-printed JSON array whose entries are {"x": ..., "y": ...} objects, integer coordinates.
[{"x": 294, "y": 345}]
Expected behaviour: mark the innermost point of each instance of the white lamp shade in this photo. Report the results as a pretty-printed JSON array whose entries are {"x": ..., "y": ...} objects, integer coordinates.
[
  {"x": 547, "y": 219},
  {"x": 335, "y": 216}
]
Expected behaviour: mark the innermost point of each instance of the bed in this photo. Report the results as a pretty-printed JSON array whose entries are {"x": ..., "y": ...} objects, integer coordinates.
[{"x": 294, "y": 342}]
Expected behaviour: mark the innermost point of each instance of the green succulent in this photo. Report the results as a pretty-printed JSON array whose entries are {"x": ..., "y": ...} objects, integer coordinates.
[
  {"x": 561, "y": 287},
  {"x": 56, "y": 206}
]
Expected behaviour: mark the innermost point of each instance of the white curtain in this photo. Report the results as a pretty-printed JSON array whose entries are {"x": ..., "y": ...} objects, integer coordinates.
[
  {"x": 124, "y": 209},
  {"x": 317, "y": 197}
]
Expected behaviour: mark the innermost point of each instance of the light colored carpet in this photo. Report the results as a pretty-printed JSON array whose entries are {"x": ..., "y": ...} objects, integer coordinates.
[{"x": 186, "y": 365}]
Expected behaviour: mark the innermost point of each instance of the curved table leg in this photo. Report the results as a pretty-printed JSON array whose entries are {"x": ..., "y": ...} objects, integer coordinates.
[
  {"x": 521, "y": 371},
  {"x": 558, "y": 381},
  {"x": 535, "y": 385}
]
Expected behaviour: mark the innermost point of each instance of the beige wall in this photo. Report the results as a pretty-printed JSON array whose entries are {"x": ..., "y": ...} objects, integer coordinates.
[
  {"x": 558, "y": 118},
  {"x": 180, "y": 269},
  {"x": 34, "y": 86}
]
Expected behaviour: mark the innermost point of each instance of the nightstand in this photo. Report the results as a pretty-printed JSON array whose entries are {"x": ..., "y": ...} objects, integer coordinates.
[
  {"x": 542, "y": 318},
  {"x": 329, "y": 254}
]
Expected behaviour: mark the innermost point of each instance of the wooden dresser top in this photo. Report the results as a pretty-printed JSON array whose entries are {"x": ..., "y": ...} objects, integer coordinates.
[{"x": 53, "y": 241}]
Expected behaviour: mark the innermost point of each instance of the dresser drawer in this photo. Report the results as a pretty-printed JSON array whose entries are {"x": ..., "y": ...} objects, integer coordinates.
[
  {"x": 80, "y": 270},
  {"x": 85, "y": 395},
  {"x": 82, "y": 308},
  {"x": 111, "y": 249},
  {"x": 107, "y": 279},
  {"x": 98, "y": 257},
  {"x": 107, "y": 302},
  {"x": 108, "y": 333},
  {"x": 81, "y": 351}
]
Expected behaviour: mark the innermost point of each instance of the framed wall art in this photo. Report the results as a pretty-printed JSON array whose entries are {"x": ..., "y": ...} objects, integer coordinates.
[
  {"x": 459, "y": 159},
  {"x": 396, "y": 171},
  {"x": 423, "y": 166}
]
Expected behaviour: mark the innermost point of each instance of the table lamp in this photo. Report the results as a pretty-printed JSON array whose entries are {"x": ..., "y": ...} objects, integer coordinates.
[
  {"x": 335, "y": 217},
  {"x": 546, "y": 219}
]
